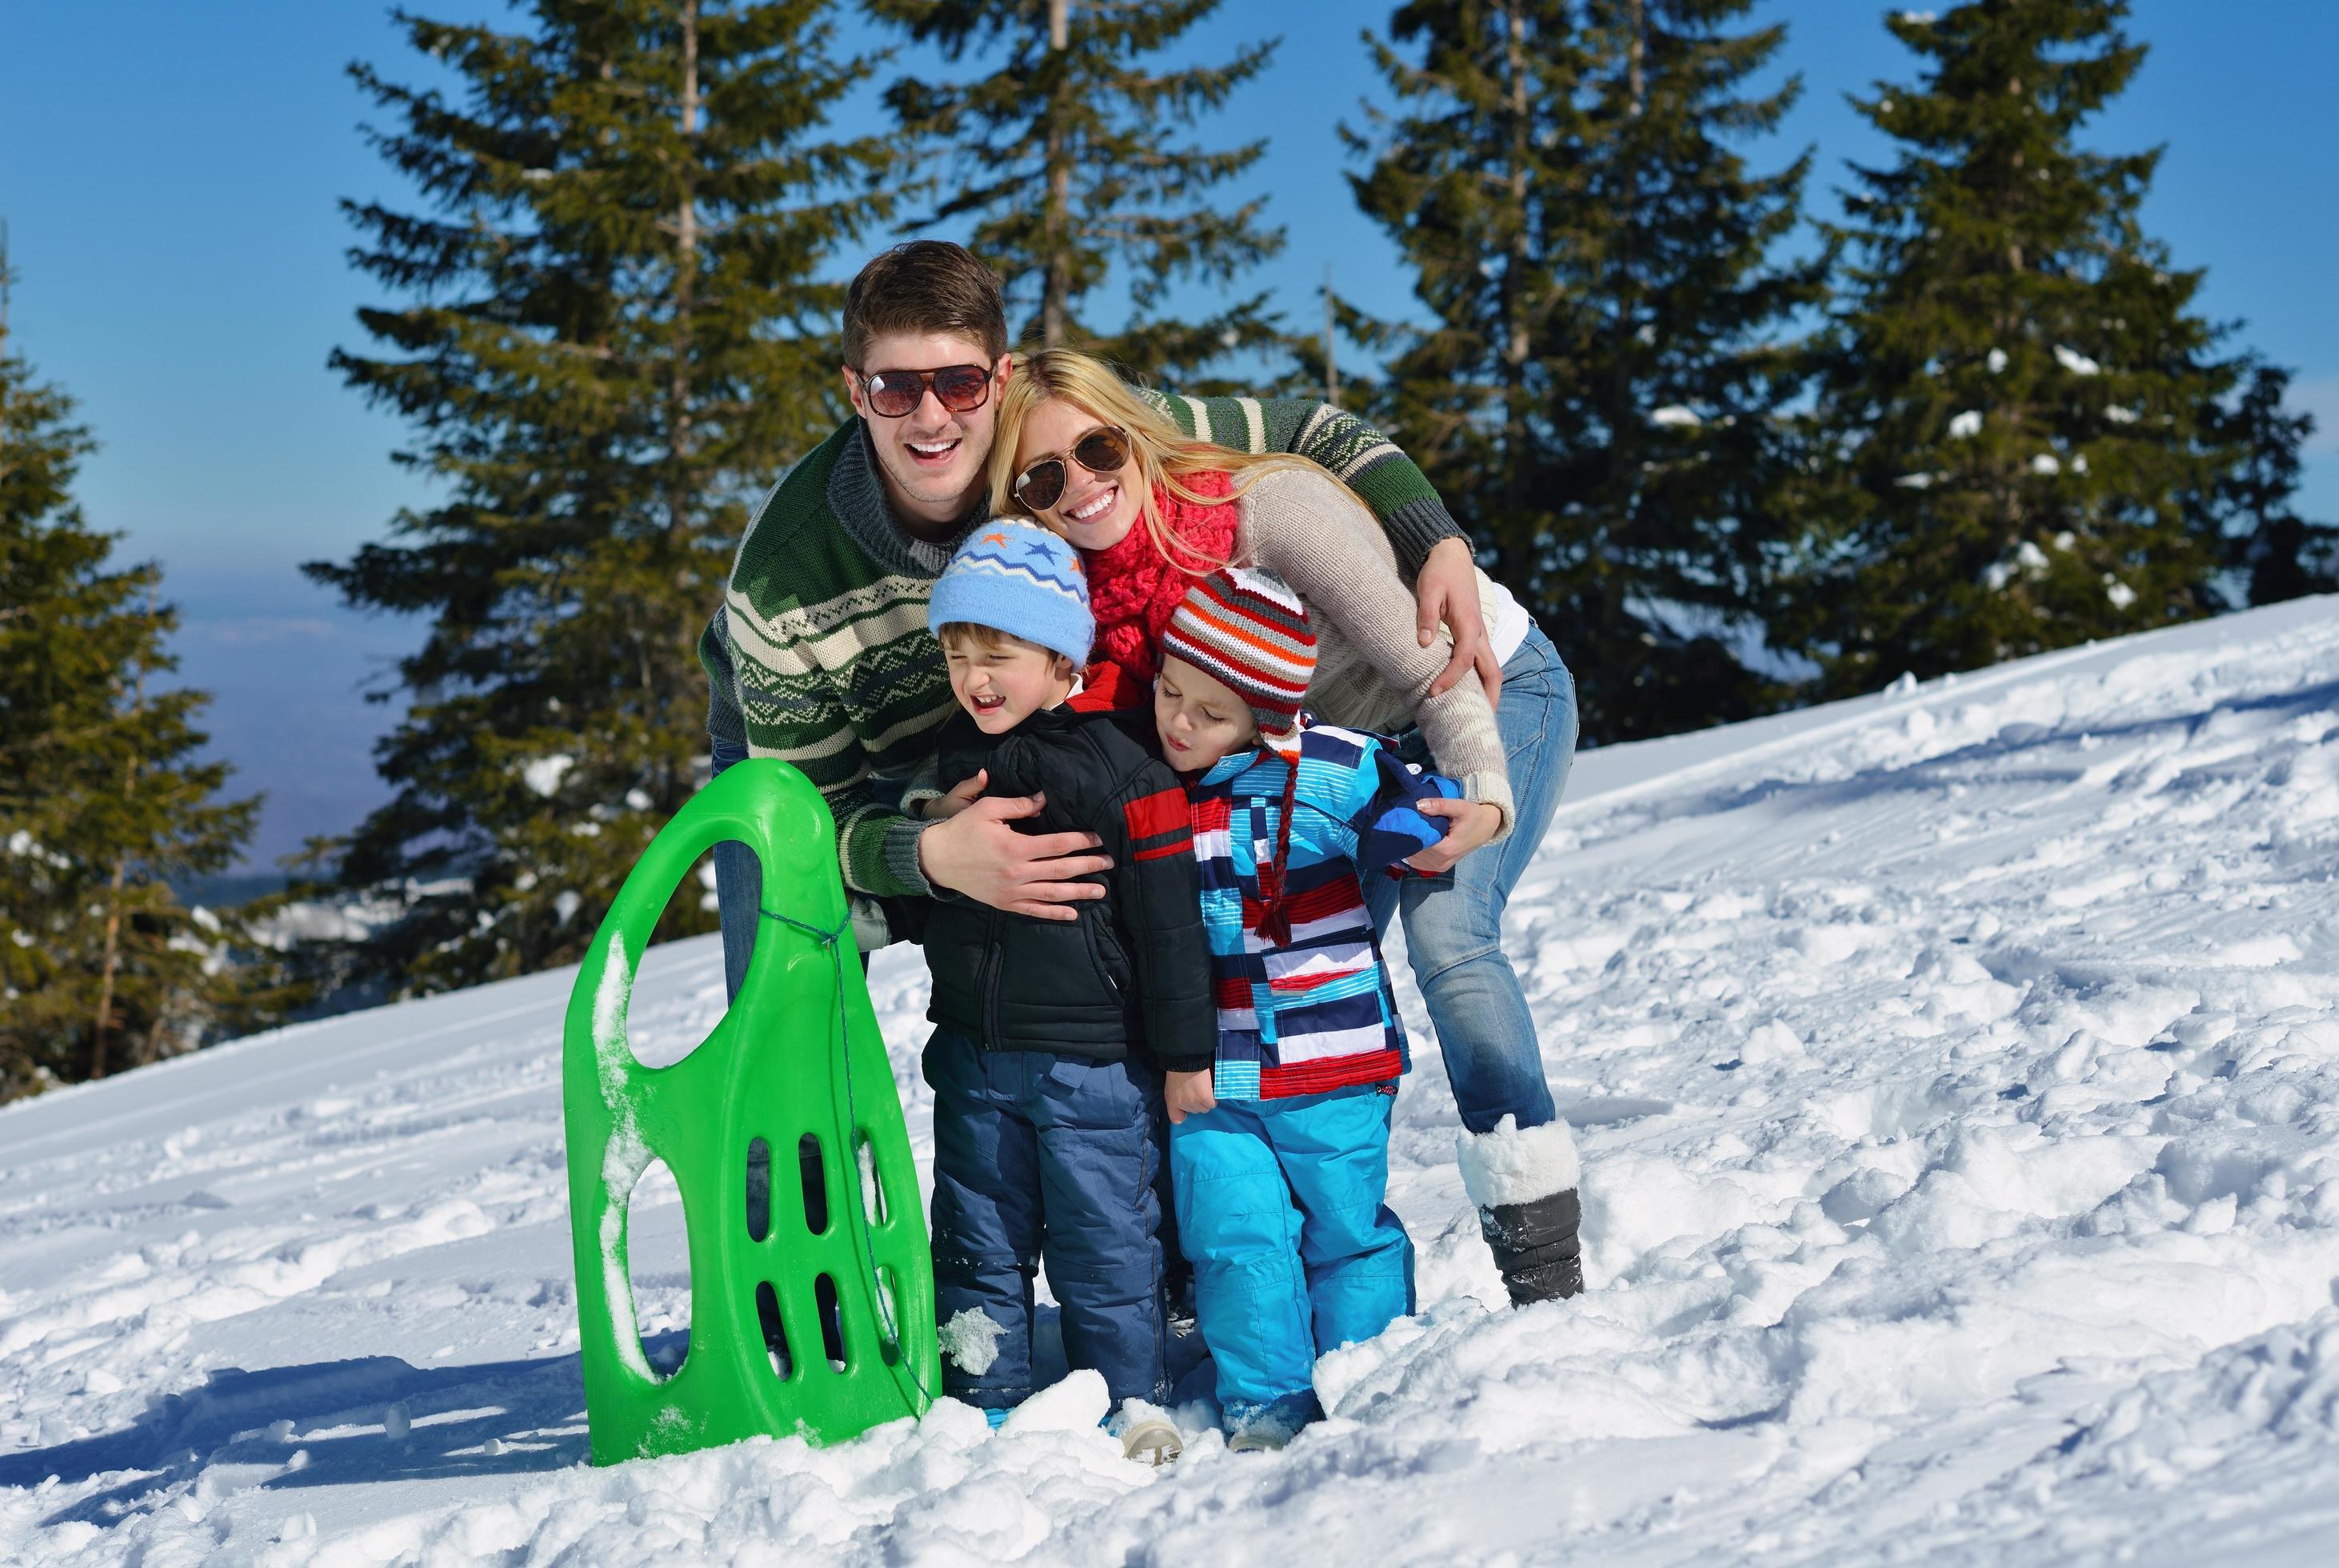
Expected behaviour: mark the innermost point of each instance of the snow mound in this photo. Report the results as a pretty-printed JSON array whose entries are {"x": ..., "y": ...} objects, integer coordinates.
[{"x": 1956, "y": 1078}]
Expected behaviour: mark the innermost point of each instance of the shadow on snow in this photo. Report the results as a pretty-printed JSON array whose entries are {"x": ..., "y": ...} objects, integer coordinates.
[{"x": 492, "y": 1418}]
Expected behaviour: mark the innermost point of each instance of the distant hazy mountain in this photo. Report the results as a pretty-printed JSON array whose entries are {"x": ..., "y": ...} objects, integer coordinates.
[{"x": 287, "y": 669}]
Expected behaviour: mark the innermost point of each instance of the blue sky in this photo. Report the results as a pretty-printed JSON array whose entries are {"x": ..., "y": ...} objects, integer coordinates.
[{"x": 170, "y": 175}]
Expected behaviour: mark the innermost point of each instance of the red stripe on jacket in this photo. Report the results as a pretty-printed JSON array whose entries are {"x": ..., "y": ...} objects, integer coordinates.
[
  {"x": 1327, "y": 1073},
  {"x": 1157, "y": 826}
]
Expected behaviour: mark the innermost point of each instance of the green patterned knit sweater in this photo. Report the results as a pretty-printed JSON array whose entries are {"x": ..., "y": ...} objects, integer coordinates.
[{"x": 820, "y": 654}]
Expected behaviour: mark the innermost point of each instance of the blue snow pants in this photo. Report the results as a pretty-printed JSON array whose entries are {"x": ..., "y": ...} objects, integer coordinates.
[
  {"x": 1282, "y": 1208},
  {"x": 1037, "y": 1154}
]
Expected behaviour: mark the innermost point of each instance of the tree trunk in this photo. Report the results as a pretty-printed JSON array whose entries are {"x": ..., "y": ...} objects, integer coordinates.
[
  {"x": 1623, "y": 417},
  {"x": 681, "y": 481},
  {"x": 107, "y": 969},
  {"x": 1056, "y": 286},
  {"x": 685, "y": 275},
  {"x": 1627, "y": 314},
  {"x": 1514, "y": 268},
  {"x": 149, "y": 1045},
  {"x": 1331, "y": 360},
  {"x": 112, "y": 961}
]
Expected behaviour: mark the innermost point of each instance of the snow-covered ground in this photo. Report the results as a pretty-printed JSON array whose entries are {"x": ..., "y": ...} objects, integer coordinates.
[{"x": 1956, "y": 1071}]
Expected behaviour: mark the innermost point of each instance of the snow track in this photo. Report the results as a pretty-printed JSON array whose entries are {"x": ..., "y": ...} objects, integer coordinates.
[{"x": 1957, "y": 1076}]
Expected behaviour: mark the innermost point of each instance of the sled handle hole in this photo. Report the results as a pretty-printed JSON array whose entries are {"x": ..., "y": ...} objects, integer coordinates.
[{"x": 657, "y": 1265}]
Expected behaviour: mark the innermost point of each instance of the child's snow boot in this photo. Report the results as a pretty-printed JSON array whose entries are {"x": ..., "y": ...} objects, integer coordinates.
[
  {"x": 1523, "y": 1184},
  {"x": 1264, "y": 1428},
  {"x": 1147, "y": 1436}
]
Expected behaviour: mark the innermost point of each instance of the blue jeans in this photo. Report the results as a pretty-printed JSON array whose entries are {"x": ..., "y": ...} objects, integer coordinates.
[
  {"x": 1454, "y": 923},
  {"x": 1283, "y": 1208},
  {"x": 1037, "y": 1152},
  {"x": 739, "y": 881},
  {"x": 738, "y": 886}
]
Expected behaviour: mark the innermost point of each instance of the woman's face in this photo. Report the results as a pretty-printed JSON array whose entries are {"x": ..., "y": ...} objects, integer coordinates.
[{"x": 1095, "y": 511}]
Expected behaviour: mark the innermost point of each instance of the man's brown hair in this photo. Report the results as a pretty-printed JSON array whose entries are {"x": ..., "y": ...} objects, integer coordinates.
[{"x": 923, "y": 286}]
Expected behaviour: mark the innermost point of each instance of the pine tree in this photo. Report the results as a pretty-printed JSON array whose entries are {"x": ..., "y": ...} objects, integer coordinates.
[
  {"x": 101, "y": 798},
  {"x": 1074, "y": 174},
  {"x": 1598, "y": 390},
  {"x": 617, "y": 331},
  {"x": 2275, "y": 553},
  {"x": 2017, "y": 409}
]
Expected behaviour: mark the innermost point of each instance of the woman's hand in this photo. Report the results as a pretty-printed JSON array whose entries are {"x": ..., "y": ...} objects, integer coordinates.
[
  {"x": 1187, "y": 1094},
  {"x": 943, "y": 807},
  {"x": 1471, "y": 823},
  {"x": 1447, "y": 590}
]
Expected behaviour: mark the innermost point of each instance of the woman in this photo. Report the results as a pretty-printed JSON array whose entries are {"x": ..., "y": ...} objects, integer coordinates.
[{"x": 1150, "y": 509}]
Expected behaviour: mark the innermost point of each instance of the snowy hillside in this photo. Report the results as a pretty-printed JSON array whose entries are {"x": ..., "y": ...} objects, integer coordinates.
[{"x": 1958, "y": 1073}]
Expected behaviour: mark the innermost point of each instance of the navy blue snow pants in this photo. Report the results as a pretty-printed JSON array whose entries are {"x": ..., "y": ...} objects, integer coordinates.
[{"x": 1037, "y": 1154}]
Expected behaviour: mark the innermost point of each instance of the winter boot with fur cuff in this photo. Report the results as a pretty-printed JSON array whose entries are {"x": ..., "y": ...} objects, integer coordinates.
[{"x": 1523, "y": 1184}]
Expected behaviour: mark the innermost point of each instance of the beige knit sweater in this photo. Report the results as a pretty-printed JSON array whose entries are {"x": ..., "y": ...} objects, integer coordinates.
[{"x": 1371, "y": 672}]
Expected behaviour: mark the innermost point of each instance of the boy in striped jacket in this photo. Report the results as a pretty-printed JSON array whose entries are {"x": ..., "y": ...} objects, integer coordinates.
[{"x": 1279, "y": 1153}]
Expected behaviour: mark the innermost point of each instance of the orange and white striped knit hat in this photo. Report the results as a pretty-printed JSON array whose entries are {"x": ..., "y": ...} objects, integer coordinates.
[{"x": 1248, "y": 629}]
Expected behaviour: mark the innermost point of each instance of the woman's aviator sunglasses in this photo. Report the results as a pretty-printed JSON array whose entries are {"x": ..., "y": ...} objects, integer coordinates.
[
  {"x": 893, "y": 393},
  {"x": 1103, "y": 450}
]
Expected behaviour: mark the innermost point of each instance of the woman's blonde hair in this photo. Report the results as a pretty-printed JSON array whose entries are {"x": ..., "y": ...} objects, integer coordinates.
[{"x": 1162, "y": 454}]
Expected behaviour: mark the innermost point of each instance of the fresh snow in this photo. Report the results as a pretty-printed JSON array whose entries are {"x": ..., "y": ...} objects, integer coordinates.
[
  {"x": 1956, "y": 1075},
  {"x": 2075, "y": 362},
  {"x": 544, "y": 773},
  {"x": 2027, "y": 559},
  {"x": 971, "y": 1340}
]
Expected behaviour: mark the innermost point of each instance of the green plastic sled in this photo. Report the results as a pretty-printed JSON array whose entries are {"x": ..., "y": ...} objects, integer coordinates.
[{"x": 797, "y": 1055}]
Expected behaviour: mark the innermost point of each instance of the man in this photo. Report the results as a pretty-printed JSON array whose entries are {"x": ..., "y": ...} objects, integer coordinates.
[{"x": 820, "y": 654}]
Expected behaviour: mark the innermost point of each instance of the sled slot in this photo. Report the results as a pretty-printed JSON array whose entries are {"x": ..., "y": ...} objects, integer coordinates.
[
  {"x": 776, "y": 1334},
  {"x": 889, "y": 1315},
  {"x": 759, "y": 1189},
  {"x": 815, "y": 1183},
  {"x": 832, "y": 1322},
  {"x": 873, "y": 1194}
]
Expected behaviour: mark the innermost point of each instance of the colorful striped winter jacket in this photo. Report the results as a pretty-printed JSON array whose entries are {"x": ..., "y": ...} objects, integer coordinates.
[{"x": 1315, "y": 1013}]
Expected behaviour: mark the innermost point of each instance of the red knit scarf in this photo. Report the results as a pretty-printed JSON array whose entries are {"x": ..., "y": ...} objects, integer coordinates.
[{"x": 1132, "y": 591}]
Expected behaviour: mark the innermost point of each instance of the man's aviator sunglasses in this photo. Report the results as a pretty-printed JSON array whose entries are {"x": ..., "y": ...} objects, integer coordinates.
[
  {"x": 1103, "y": 450},
  {"x": 963, "y": 389}
]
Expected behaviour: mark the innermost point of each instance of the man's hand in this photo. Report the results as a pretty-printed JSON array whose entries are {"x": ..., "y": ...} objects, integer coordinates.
[
  {"x": 943, "y": 807},
  {"x": 1446, "y": 592},
  {"x": 977, "y": 853},
  {"x": 1187, "y": 1094},
  {"x": 1472, "y": 823}
]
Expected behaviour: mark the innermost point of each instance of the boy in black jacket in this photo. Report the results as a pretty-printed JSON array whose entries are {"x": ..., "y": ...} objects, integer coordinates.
[{"x": 1051, "y": 1036}]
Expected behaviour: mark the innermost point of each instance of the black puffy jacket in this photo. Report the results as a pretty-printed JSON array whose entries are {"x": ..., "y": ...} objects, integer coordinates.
[{"x": 1132, "y": 974}]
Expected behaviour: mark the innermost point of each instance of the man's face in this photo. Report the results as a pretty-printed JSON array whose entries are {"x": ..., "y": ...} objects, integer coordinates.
[
  {"x": 1006, "y": 683},
  {"x": 932, "y": 456}
]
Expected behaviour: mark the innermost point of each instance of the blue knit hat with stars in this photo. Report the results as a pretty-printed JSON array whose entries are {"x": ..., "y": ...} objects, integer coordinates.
[{"x": 1015, "y": 577}]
